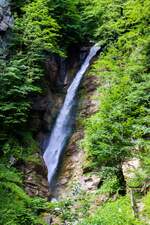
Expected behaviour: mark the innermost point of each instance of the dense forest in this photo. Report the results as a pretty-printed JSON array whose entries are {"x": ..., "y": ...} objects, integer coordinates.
[{"x": 116, "y": 132}]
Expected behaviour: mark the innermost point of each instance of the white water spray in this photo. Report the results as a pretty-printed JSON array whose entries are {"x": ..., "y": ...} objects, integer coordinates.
[{"x": 63, "y": 125}]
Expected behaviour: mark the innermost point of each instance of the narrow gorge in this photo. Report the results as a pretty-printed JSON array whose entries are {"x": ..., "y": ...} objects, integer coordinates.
[
  {"x": 64, "y": 122},
  {"x": 74, "y": 115}
]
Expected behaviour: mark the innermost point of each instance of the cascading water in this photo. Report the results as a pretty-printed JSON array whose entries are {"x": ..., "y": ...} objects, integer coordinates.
[{"x": 64, "y": 122}]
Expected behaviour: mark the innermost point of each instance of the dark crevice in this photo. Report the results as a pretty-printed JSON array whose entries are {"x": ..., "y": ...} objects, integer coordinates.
[{"x": 122, "y": 181}]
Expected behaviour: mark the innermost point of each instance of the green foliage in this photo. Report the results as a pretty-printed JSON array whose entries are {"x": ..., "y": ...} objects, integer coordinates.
[
  {"x": 9, "y": 175},
  {"x": 34, "y": 33},
  {"x": 109, "y": 19},
  {"x": 146, "y": 211},
  {"x": 110, "y": 185},
  {"x": 16, "y": 206},
  {"x": 122, "y": 124},
  {"x": 40, "y": 30},
  {"x": 68, "y": 15},
  {"x": 120, "y": 128},
  {"x": 25, "y": 150},
  {"x": 100, "y": 16},
  {"x": 114, "y": 213},
  {"x": 16, "y": 83}
]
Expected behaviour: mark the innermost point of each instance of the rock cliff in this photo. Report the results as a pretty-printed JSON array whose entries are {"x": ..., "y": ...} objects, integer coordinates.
[{"x": 6, "y": 22}]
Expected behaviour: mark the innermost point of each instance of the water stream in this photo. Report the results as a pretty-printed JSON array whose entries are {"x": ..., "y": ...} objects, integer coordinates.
[{"x": 63, "y": 126}]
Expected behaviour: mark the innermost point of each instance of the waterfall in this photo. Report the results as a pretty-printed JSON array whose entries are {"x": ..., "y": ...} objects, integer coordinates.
[{"x": 64, "y": 122}]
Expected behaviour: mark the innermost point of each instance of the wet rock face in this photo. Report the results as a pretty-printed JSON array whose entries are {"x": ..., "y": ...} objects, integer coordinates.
[
  {"x": 56, "y": 70},
  {"x": 6, "y": 22},
  {"x": 59, "y": 73},
  {"x": 44, "y": 111},
  {"x": 35, "y": 178},
  {"x": 45, "y": 107},
  {"x": 52, "y": 70}
]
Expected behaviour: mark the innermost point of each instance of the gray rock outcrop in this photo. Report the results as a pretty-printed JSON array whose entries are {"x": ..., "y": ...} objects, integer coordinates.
[{"x": 6, "y": 22}]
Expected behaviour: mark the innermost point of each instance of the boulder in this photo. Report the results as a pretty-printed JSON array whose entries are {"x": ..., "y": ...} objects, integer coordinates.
[
  {"x": 92, "y": 183},
  {"x": 130, "y": 167},
  {"x": 131, "y": 170}
]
